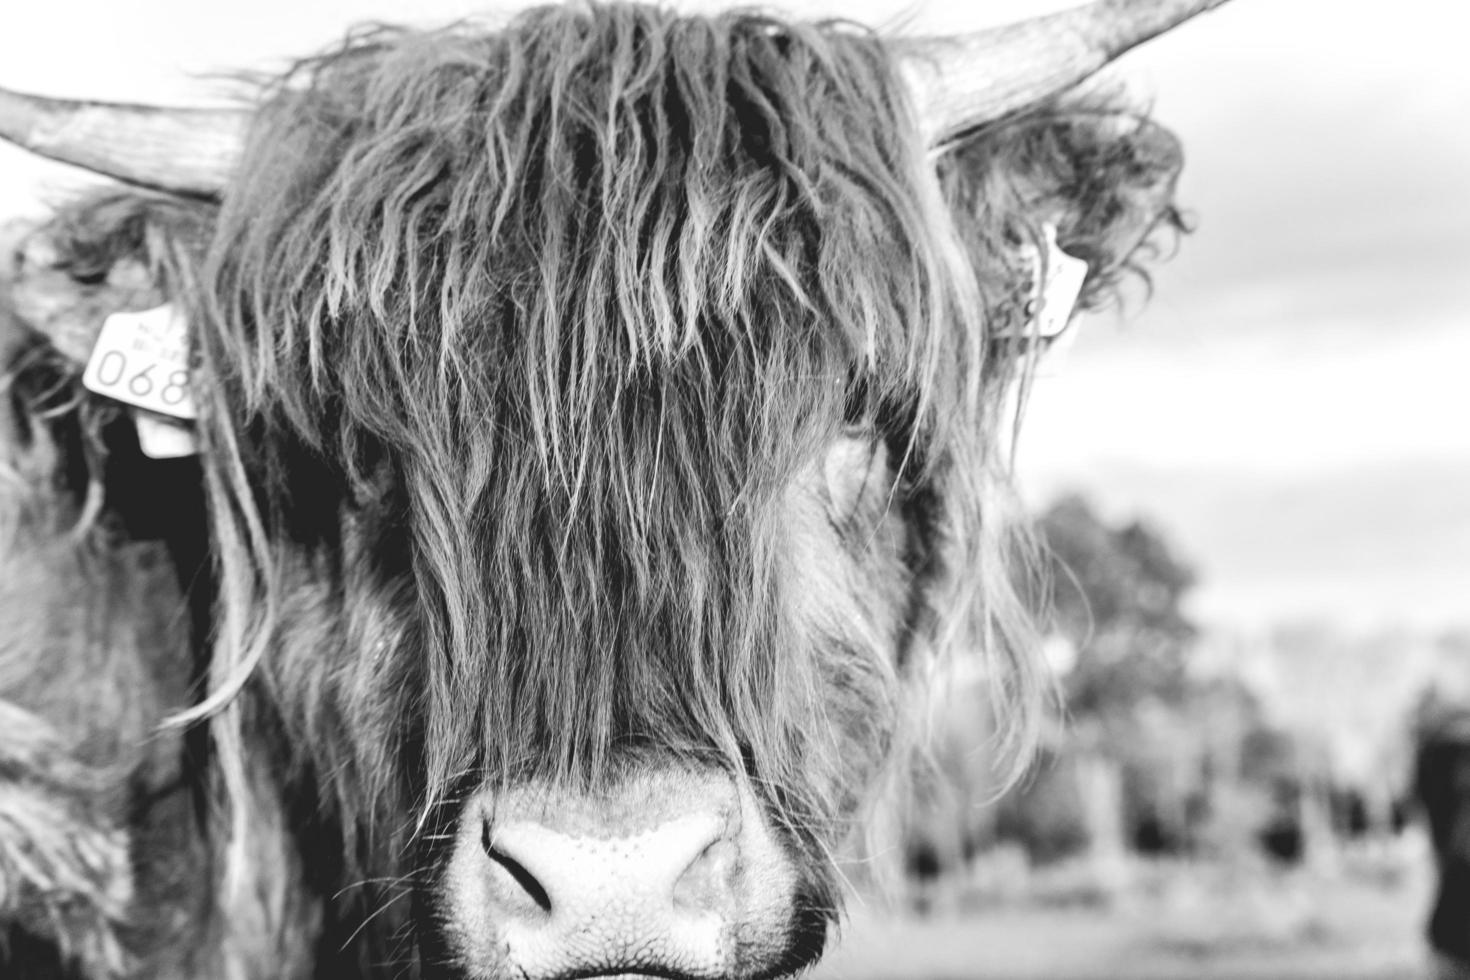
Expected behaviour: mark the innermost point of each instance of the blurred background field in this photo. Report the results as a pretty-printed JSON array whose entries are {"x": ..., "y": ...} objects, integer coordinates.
[
  {"x": 1208, "y": 802},
  {"x": 1173, "y": 921}
]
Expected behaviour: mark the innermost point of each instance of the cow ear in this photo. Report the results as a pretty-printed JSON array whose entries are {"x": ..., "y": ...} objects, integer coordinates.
[
  {"x": 66, "y": 300},
  {"x": 117, "y": 251},
  {"x": 1104, "y": 178}
]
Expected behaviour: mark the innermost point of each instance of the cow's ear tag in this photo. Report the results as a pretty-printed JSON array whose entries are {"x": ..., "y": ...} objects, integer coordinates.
[
  {"x": 143, "y": 359},
  {"x": 1055, "y": 285},
  {"x": 161, "y": 437}
]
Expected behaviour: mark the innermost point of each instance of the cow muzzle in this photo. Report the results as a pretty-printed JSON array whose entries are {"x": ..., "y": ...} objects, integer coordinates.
[{"x": 674, "y": 874}]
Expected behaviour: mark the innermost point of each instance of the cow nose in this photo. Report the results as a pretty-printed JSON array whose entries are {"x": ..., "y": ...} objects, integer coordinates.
[
  {"x": 647, "y": 879},
  {"x": 676, "y": 872}
]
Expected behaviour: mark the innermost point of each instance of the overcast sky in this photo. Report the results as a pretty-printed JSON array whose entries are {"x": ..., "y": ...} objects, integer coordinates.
[{"x": 1290, "y": 404}]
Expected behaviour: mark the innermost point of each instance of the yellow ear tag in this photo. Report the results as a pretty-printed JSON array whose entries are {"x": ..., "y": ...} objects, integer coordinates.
[{"x": 143, "y": 359}]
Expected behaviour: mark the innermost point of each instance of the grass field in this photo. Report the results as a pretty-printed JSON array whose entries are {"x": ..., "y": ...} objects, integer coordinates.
[{"x": 1180, "y": 922}]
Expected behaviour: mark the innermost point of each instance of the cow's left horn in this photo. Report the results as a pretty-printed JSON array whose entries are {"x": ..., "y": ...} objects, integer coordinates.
[
  {"x": 960, "y": 83},
  {"x": 184, "y": 151}
]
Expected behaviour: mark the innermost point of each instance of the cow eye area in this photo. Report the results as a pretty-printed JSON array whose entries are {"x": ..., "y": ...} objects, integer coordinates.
[
  {"x": 857, "y": 483},
  {"x": 848, "y": 541}
]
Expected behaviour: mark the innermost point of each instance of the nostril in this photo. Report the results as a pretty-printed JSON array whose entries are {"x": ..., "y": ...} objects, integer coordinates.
[
  {"x": 522, "y": 877},
  {"x": 705, "y": 885},
  {"x": 516, "y": 871}
]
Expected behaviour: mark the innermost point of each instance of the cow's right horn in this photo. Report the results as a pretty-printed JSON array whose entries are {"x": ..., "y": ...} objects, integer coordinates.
[
  {"x": 960, "y": 83},
  {"x": 183, "y": 151}
]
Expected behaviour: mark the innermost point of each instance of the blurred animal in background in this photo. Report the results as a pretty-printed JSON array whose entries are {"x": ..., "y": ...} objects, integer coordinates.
[
  {"x": 1442, "y": 787},
  {"x": 600, "y": 444}
]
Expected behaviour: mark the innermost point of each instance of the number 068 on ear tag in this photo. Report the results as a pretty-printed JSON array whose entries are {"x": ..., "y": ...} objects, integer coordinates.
[{"x": 143, "y": 359}]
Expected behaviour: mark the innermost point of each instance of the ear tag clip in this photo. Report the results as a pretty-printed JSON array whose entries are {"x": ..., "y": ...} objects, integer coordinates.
[{"x": 160, "y": 437}]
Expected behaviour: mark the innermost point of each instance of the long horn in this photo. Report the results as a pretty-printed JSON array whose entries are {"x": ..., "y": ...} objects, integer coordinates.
[
  {"x": 960, "y": 83},
  {"x": 184, "y": 151}
]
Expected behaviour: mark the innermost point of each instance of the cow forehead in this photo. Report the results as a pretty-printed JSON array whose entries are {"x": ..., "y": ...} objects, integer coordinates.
[{"x": 706, "y": 236}]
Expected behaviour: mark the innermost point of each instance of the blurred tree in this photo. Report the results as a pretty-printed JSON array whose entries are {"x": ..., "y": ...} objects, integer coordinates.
[
  {"x": 1125, "y": 769},
  {"x": 1117, "y": 594}
]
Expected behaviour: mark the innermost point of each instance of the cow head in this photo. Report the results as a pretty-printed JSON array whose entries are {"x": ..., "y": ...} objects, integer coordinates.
[{"x": 601, "y": 420}]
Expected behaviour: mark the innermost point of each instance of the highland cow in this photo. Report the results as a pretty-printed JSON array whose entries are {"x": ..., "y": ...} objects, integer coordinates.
[{"x": 601, "y": 428}]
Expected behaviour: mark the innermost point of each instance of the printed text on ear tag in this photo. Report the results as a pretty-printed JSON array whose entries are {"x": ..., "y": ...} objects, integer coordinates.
[{"x": 143, "y": 359}]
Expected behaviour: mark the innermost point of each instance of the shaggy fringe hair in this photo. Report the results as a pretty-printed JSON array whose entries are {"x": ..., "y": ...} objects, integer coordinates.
[{"x": 587, "y": 292}]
